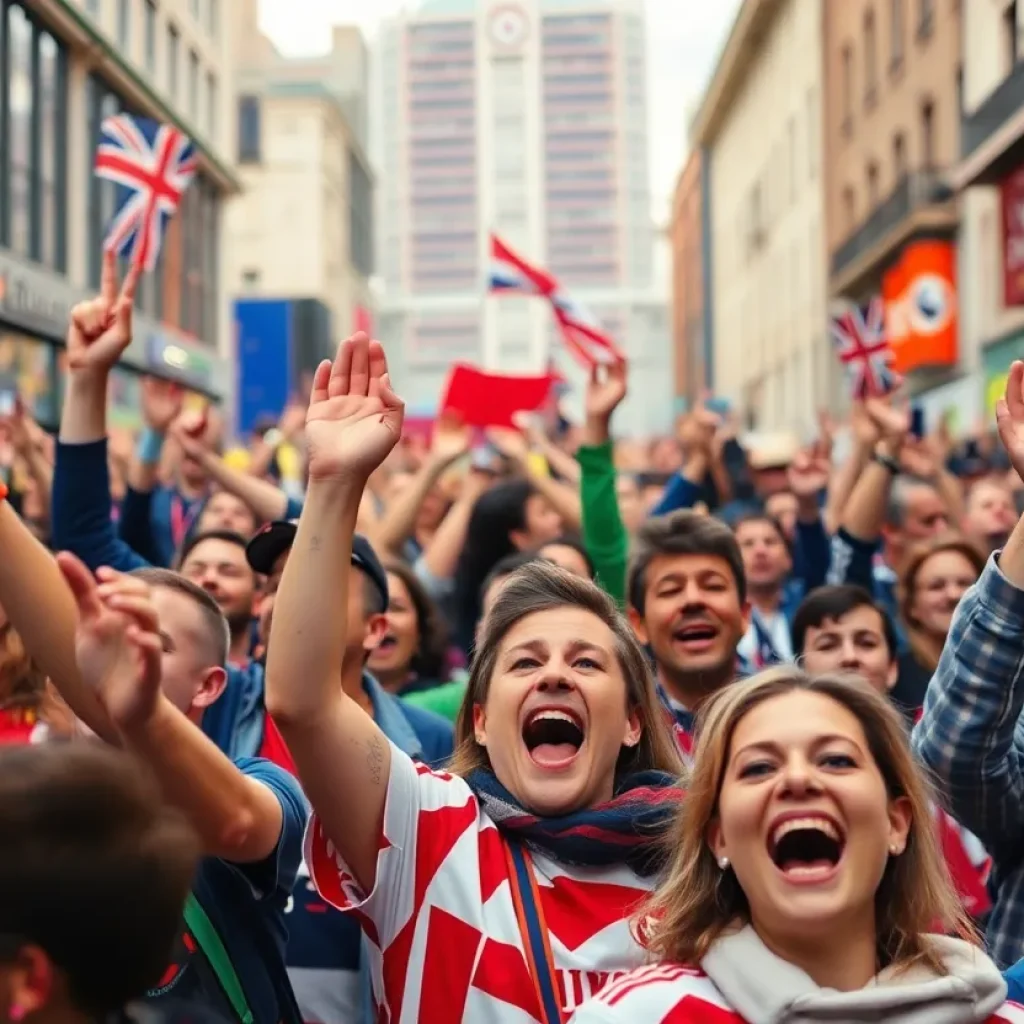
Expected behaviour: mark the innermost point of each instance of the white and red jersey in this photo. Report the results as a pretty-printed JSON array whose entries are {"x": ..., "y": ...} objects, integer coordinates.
[
  {"x": 444, "y": 941},
  {"x": 672, "y": 994}
]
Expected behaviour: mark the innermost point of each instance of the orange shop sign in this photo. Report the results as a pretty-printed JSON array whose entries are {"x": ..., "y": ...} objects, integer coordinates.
[{"x": 920, "y": 306}]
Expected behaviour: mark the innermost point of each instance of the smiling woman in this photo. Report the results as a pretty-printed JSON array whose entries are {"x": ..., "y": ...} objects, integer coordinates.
[{"x": 805, "y": 873}]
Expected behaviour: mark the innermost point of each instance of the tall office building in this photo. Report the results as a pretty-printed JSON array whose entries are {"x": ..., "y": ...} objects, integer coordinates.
[{"x": 527, "y": 118}]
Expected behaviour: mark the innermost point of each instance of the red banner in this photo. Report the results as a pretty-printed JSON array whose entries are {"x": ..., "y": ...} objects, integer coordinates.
[
  {"x": 482, "y": 399},
  {"x": 1011, "y": 196}
]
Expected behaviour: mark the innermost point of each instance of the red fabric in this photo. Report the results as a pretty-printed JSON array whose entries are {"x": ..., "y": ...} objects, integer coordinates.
[
  {"x": 968, "y": 877},
  {"x": 274, "y": 748},
  {"x": 18, "y": 725},
  {"x": 482, "y": 399}
]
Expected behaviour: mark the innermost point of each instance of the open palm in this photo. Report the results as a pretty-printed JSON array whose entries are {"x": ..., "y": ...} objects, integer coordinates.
[
  {"x": 117, "y": 642},
  {"x": 354, "y": 418},
  {"x": 1010, "y": 417}
]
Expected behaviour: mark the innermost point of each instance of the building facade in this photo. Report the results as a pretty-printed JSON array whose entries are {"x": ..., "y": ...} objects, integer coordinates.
[
  {"x": 528, "y": 119},
  {"x": 303, "y": 225},
  {"x": 991, "y": 172},
  {"x": 759, "y": 128},
  {"x": 69, "y": 64},
  {"x": 686, "y": 238},
  {"x": 892, "y": 129}
]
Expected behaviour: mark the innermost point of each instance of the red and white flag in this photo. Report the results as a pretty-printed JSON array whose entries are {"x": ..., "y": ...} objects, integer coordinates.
[{"x": 581, "y": 333}]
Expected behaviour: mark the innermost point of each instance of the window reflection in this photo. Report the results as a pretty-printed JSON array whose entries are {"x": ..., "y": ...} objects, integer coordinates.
[{"x": 20, "y": 99}]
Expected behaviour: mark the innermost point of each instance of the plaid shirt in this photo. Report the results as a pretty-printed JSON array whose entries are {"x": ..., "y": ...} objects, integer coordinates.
[{"x": 971, "y": 735}]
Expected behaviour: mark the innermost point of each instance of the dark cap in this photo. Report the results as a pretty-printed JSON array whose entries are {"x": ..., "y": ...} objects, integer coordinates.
[{"x": 270, "y": 543}]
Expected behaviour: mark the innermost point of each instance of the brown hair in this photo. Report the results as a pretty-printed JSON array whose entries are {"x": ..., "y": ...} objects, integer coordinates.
[
  {"x": 541, "y": 586},
  {"x": 927, "y": 649},
  {"x": 429, "y": 660},
  {"x": 85, "y": 830},
  {"x": 24, "y": 685},
  {"x": 697, "y": 902},
  {"x": 683, "y": 532},
  {"x": 213, "y": 618}
]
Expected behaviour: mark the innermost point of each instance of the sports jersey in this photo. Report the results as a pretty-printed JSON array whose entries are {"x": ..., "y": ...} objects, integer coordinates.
[
  {"x": 443, "y": 938},
  {"x": 671, "y": 994}
]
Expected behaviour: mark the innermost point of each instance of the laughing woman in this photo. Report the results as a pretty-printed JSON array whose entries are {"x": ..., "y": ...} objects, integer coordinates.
[
  {"x": 503, "y": 891},
  {"x": 806, "y": 876}
]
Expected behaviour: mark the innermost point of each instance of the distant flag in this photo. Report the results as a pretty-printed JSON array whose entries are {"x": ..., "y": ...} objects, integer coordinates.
[
  {"x": 581, "y": 333},
  {"x": 864, "y": 350},
  {"x": 153, "y": 165}
]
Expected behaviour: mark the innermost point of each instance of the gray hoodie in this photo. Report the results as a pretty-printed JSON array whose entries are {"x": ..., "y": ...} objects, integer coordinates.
[{"x": 763, "y": 989}]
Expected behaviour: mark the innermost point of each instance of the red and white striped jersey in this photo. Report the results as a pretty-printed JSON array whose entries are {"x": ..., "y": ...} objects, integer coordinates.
[
  {"x": 672, "y": 994},
  {"x": 444, "y": 942}
]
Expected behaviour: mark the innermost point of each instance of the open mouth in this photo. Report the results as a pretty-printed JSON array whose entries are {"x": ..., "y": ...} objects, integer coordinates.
[
  {"x": 696, "y": 634},
  {"x": 389, "y": 643},
  {"x": 806, "y": 849},
  {"x": 553, "y": 736}
]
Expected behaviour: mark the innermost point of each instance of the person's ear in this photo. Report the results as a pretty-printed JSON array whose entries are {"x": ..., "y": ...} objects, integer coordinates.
[
  {"x": 212, "y": 685},
  {"x": 376, "y": 630}
]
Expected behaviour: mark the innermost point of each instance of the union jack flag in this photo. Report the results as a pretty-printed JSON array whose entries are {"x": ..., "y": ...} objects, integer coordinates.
[
  {"x": 581, "y": 333},
  {"x": 152, "y": 164},
  {"x": 864, "y": 349}
]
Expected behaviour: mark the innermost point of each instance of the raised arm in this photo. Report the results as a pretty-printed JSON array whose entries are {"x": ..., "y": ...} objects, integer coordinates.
[{"x": 343, "y": 759}]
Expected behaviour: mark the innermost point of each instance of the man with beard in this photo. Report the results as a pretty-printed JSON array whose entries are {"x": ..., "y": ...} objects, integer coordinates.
[{"x": 688, "y": 602}]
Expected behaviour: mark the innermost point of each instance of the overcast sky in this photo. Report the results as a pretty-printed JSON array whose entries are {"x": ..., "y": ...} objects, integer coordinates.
[{"x": 684, "y": 37}]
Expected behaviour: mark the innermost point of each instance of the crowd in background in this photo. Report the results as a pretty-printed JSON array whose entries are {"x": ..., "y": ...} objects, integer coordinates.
[{"x": 532, "y": 724}]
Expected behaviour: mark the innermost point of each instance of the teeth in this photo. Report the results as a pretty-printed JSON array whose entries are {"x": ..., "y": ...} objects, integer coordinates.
[
  {"x": 556, "y": 716},
  {"x": 820, "y": 824}
]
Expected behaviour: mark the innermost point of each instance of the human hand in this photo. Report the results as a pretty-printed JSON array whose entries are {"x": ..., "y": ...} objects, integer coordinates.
[
  {"x": 161, "y": 403},
  {"x": 101, "y": 328},
  {"x": 118, "y": 646},
  {"x": 354, "y": 417}
]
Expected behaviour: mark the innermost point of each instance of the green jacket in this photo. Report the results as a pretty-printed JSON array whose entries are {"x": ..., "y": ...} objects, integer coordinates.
[{"x": 604, "y": 534}]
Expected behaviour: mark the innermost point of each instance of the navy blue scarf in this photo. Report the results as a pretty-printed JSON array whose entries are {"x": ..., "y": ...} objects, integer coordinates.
[{"x": 626, "y": 830}]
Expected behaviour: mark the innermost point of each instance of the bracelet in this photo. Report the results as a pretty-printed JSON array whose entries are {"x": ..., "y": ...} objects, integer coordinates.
[
  {"x": 890, "y": 463},
  {"x": 150, "y": 446}
]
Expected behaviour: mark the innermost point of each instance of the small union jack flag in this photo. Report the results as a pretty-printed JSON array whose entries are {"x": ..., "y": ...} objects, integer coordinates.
[
  {"x": 863, "y": 348},
  {"x": 153, "y": 164}
]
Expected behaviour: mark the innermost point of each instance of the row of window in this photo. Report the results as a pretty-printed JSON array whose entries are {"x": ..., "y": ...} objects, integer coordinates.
[
  {"x": 182, "y": 290},
  {"x": 900, "y": 168},
  {"x": 139, "y": 38},
  {"x": 33, "y": 139},
  {"x": 897, "y": 24}
]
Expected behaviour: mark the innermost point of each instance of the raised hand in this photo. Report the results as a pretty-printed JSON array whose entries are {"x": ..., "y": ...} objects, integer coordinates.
[
  {"x": 101, "y": 329},
  {"x": 161, "y": 403},
  {"x": 605, "y": 389},
  {"x": 697, "y": 429},
  {"x": 1010, "y": 417},
  {"x": 354, "y": 418},
  {"x": 117, "y": 644},
  {"x": 190, "y": 429},
  {"x": 808, "y": 474},
  {"x": 891, "y": 422},
  {"x": 451, "y": 440},
  {"x": 511, "y": 443}
]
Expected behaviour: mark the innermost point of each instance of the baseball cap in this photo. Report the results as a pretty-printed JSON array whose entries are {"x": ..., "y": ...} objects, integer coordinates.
[{"x": 271, "y": 542}]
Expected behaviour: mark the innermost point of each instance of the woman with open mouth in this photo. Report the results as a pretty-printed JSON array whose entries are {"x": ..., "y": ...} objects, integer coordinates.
[
  {"x": 806, "y": 877},
  {"x": 501, "y": 891}
]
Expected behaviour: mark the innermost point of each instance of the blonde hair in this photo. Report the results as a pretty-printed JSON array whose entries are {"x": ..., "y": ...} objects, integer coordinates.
[
  {"x": 926, "y": 648},
  {"x": 698, "y": 902},
  {"x": 540, "y": 586}
]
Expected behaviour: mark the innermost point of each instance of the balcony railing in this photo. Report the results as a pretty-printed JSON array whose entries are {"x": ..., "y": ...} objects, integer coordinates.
[
  {"x": 988, "y": 118},
  {"x": 915, "y": 191}
]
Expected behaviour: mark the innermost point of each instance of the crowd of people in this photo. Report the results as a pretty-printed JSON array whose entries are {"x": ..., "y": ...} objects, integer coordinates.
[{"x": 531, "y": 725}]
